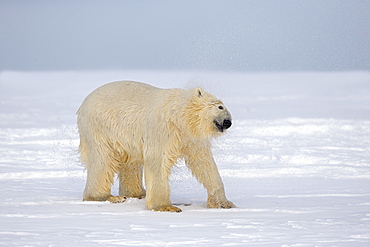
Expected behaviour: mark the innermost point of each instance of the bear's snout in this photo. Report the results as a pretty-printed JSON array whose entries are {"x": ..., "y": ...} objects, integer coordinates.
[{"x": 226, "y": 124}]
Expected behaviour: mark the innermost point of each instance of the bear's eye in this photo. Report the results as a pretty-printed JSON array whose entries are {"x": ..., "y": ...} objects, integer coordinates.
[{"x": 220, "y": 107}]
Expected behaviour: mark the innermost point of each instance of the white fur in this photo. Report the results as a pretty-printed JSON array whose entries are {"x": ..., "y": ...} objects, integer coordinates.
[{"x": 127, "y": 126}]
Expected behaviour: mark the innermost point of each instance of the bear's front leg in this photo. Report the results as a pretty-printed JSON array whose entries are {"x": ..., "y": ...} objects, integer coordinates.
[
  {"x": 200, "y": 161},
  {"x": 158, "y": 189}
]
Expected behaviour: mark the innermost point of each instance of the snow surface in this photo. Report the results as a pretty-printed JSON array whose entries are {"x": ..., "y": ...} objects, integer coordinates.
[{"x": 296, "y": 162}]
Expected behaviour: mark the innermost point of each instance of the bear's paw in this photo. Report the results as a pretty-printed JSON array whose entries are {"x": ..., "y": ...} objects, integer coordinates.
[
  {"x": 220, "y": 204},
  {"x": 168, "y": 208},
  {"x": 117, "y": 199}
]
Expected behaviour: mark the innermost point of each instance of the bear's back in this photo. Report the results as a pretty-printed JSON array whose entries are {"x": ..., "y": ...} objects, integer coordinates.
[
  {"x": 125, "y": 90},
  {"x": 120, "y": 94},
  {"x": 130, "y": 99}
]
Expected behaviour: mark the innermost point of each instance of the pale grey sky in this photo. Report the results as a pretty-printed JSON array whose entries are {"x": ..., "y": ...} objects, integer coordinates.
[{"x": 241, "y": 35}]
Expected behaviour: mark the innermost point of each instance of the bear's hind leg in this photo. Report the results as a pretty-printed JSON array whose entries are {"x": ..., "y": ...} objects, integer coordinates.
[
  {"x": 100, "y": 174},
  {"x": 131, "y": 180}
]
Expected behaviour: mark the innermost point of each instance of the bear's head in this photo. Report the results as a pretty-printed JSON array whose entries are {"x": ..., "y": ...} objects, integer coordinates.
[{"x": 206, "y": 116}]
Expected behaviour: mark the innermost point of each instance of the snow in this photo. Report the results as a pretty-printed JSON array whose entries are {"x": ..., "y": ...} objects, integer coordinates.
[{"x": 296, "y": 162}]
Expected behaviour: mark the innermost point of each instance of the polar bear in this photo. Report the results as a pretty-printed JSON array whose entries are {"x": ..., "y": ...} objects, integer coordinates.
[{"x": 129, "y": 127}]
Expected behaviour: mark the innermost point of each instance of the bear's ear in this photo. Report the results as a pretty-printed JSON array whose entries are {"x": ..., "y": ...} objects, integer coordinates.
[{"x": 199, "y": 92}]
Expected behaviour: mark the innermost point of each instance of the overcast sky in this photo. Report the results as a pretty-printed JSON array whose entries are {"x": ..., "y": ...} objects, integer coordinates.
[{"x": 243, "y": 35}]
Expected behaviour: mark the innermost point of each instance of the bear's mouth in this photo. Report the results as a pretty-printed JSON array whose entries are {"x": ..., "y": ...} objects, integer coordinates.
[{"x": 222, "y": 127}]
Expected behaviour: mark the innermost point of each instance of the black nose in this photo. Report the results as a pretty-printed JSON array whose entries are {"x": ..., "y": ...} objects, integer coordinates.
[{"x": 226, "y": 124}]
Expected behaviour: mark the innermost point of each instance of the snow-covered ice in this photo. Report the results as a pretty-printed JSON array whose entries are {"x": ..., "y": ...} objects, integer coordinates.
[{"x": 296, "y": 162}]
